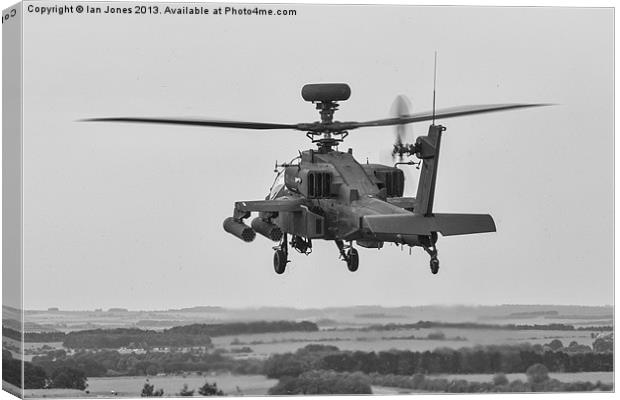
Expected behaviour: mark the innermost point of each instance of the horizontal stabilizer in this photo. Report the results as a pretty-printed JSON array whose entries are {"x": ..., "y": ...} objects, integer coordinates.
[
  {"x": 413, "y": 224},
  {"x": 464, "y": 224}
]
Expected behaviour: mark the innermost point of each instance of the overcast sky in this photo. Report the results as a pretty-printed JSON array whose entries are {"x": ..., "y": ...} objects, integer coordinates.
[{"x": 123, "y": 215}]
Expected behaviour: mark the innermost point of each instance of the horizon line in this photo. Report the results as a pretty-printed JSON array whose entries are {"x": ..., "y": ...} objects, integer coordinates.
[{"x": 255, "y": 307}]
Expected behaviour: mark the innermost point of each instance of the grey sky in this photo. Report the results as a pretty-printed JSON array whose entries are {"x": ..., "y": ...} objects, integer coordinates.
[{"x": 130, "y": 215}]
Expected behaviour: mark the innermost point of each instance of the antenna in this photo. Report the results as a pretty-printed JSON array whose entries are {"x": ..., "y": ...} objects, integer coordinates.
[{"x": 434, "y": 85}]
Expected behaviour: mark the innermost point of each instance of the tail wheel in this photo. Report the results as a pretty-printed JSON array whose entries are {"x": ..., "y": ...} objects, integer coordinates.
[
  {"x": 279, "y": 261},
  {"x": 353, "y": 260},
  {"x": 434, "y": 265}
]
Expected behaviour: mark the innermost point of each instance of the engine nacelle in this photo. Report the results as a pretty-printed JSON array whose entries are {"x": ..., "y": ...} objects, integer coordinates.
[
  {"x": 267, "y": 229},
  {"x": 239, "y": 229}
]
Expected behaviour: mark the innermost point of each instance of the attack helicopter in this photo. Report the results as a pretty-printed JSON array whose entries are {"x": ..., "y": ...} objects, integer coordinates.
[{"x": 327, "y": 194}]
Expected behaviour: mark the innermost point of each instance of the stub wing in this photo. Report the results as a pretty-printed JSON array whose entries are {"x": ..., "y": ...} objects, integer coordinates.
[
  {"x": 408, "y": 203},
  {"x": 446, "y": 224},
  {"x": 269, "y": 205}
]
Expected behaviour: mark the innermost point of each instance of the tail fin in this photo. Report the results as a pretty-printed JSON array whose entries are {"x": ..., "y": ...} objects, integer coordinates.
[{"x": 429, "y": 152}]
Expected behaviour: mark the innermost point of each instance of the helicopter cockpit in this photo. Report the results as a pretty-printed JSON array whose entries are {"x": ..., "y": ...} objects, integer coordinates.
[
  {"x": 279, "y": 183},
  {"x": 277, "y": 186}
]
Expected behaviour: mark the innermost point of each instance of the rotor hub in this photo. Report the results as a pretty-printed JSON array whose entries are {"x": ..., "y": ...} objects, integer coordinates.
[
  {"x": 330, "y": 132},
  {"x": 327, "y": 109}
]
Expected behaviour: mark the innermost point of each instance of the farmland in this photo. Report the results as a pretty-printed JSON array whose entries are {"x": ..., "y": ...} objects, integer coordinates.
[
  {"x": 605, "y": 377},
  {"x": 249, "y": 385},
  {"x": 230, "y": 347},
  {"x": 264, "y": 345}
]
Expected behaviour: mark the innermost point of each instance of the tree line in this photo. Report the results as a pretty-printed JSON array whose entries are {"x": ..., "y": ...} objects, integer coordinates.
[
  {"x": 330, "y": 382},
  {"x": 195, "y": 335},
  {"x": 56, "y": 369},
  {"x": 483, "y": 360},
  {"x": 36, "y": 377},
  {"x": 132, "y": 337},
  {"x": 178, "y": 336},
  {"x": 537, "y": 375},
  {"x": 39, "y": 337},
  {"x": 240, "y": 328},
  {"x": 325, "y": 370},
  {"x": 112, "y": 363},
  {"x": 475, "y": 325},
  {"x": 322, "y": 382}
]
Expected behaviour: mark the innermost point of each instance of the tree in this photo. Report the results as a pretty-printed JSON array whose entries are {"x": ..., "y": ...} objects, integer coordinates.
[
  {"x": 436, "y": 336},
  {"x": 556, "y": 344},
  {"x": 322, "y": 382},
  {"x": 210, "y": 390},
  {"x": 537, "y": 373},
  {"x": 288, "y": 364},
  {"x": 575, "y": 347},
  {"x": 152, "y": 370},
  {"x": 34, "y": 376},
  {"x": 12, "y": 371},
  {"x": 500, "y": 379},
  {"x": 149, "y": 391},
  {"x": 68, "y": 378},
  {"x": 603, "y": 344},
  {"x": 185, "y": 392}
]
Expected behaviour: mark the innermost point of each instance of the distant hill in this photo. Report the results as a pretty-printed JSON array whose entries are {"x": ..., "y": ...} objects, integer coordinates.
[
  {"x": 28, "y": 326},
  {"x": 378, "y": 315},
  {"x": 531, "y": 314},
  {"x": 362, "y": 315},
  {"x": 199, "y": 309},
  {"x": 38, "y": 337}
]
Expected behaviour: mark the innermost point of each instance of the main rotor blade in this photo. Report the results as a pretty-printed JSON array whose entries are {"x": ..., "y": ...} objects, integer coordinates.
[
  {"x": 442, "y": 113},
  {"x": 197, "y": 122},
  {"x": 320, "y": 127}
]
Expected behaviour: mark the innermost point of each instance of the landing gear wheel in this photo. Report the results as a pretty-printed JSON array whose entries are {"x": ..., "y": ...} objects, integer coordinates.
[
  {"x": 353, "y": 260},
  {"x": 434, "y": 265},
  {"x": 279, "y": 261}
]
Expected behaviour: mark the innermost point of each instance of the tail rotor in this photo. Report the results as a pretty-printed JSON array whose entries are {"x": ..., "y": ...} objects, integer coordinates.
[{"x": 400, "y": 108}]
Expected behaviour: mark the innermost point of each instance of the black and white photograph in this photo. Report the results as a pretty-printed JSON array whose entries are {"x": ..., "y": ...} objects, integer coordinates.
[{"x": 228, "y": 199}]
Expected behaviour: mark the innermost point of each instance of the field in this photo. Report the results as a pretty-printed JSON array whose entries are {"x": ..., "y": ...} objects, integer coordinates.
[
  {"x": 235, "y": 385},
  {"x": 265, "y": 344},
  {"x": 345, "y": 328},
  {"x": 256, "y": 385},
  {"x": 229, "y": 384},
  {"x": 604, "y": 377}
]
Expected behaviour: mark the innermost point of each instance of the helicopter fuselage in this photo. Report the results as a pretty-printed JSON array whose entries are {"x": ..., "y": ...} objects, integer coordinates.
[
  {"x": 337, "y": 192},
  {"x": 326, "y": 194}
]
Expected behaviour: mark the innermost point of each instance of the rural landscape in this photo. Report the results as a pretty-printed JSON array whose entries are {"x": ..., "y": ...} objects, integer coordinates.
[{"x": 211, "y": 351}]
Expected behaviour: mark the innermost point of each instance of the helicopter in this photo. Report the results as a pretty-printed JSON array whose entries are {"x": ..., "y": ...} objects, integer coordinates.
[{"x": 327, "y": 194}]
